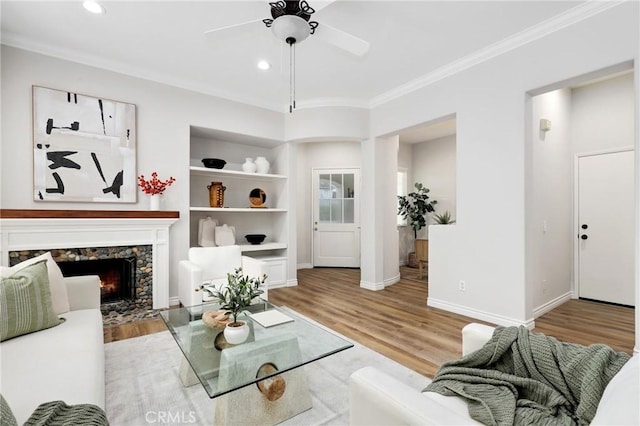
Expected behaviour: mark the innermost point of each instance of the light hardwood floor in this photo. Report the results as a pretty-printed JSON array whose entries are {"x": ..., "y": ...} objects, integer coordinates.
[{"x": 397, "y": 323}]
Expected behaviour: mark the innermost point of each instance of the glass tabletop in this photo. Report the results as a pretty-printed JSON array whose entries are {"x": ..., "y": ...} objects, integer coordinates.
[{"x": 223, "y": 368}]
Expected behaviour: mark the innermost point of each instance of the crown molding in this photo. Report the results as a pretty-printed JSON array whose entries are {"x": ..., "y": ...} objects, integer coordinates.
[
  {"x": 12, "y": 40},
  {"x": 549, "y": 26}
]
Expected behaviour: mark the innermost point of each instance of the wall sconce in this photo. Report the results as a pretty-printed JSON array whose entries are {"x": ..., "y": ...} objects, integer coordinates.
[{"x": 545, "y": 125}]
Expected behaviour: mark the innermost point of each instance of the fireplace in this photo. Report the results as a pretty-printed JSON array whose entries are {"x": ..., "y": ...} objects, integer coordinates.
[
  {"x": 133, "y": 265},
  {"x": 117, "y": 276},
  {"x": 72, "y": 235}
]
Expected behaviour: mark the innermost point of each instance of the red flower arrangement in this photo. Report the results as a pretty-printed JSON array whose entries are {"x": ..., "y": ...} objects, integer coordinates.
[{"x": 154, "y": 186}]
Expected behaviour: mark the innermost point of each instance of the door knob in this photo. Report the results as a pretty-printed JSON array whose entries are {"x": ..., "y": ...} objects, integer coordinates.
[
  {"x": 584, "y": 236},
  {"x": 584, "y": 226}
]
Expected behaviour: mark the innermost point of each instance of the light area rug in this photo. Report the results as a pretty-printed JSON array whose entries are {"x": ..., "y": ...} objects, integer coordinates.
[{"x": 143, "y": 387}]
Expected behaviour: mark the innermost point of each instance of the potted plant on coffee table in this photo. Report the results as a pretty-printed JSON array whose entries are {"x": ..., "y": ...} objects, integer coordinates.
[{"x": 234, "y": 298}]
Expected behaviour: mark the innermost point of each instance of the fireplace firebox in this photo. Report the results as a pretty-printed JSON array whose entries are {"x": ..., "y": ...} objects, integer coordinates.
[{"x": 117, "y": 276}]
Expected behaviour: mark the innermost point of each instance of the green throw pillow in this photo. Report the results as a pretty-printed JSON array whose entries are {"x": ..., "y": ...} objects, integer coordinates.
[{"x": 25, "y": 302}]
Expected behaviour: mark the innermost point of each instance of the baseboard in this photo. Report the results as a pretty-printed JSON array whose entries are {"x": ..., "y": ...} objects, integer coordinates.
[
  {"x": 304, "y": 266},
  {"x": 174, "y": 301},
  {"x": 392, "y": 280},
  {"x": 288, "y": 283},
  {"x": 477, "y": 314},
  {"x": 292, "y": 283},
  {"x": 403, "y": 262},
  {"x": 372, "y": 286},
  {"x": 552, "y": 304}
]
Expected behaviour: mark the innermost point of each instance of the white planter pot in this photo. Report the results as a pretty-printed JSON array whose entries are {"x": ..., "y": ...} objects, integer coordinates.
[{"x": 236, "y": 334}]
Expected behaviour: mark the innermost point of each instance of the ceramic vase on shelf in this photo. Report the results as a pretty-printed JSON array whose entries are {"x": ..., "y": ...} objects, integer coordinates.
[
  {"x": 154, "y": 202},
  {"x": 249, "y": 166},
  {"x": 216, "y": 194},
  {"x": 262, "y": 165}
]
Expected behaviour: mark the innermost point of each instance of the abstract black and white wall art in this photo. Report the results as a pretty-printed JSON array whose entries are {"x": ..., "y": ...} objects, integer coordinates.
[{"x": 84, "y": 148}]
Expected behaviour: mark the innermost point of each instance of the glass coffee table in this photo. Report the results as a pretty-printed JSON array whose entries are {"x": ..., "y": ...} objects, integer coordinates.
[{"x": 261, "y": 375}]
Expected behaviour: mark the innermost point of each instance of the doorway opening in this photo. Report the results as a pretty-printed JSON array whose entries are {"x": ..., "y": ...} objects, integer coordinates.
[
  {"x": 576, "y": 127},
  {"x": 427, "y": 155}
]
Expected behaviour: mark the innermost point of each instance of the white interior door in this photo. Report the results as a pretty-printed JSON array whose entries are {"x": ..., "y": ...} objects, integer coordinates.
[
  {"x": 606, "y": 229},
  {"x": 336, "y": 218}
]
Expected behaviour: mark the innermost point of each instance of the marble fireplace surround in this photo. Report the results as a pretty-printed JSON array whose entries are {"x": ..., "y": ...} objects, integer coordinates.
[{"x": 55, "y": 229}]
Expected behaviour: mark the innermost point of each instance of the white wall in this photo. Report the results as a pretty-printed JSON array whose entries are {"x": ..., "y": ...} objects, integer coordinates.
[
  {"x": 164, "y": 115},
  {"x": 327, "y": 124},
  {"x": 388, "y": 171},
  {"x": 317, "y": 155},
  {"x": 379, "y": 239},
  {"x": 487, "y": 247},
  {"x": 550, "y": 202},
  {"x": 603, "y": 115}
]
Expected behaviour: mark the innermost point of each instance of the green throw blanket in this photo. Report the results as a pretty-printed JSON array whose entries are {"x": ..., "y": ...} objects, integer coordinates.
[
  {"x": 525, "y": 378},
  {"x": 57, "y": 413}
]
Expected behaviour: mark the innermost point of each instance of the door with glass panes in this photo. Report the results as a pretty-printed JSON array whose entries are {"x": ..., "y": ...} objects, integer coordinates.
[{"x": 336, "y": 218}]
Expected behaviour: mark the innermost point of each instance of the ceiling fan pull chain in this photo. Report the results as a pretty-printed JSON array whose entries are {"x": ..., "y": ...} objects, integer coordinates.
[{"x": 290, "y": 78}]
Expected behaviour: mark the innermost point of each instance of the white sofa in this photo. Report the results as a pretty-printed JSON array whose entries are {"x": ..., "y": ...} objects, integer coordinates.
[
  {"x": 379, "y": 399},
  {"x": 65, "y": 362}
]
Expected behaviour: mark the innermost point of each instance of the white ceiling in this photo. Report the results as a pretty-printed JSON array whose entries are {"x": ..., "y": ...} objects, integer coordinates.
[{"x": 164, "y": 41}]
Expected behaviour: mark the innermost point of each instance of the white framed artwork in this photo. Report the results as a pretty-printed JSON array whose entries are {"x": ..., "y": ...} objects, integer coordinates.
[{"x": 84, "y": 148}]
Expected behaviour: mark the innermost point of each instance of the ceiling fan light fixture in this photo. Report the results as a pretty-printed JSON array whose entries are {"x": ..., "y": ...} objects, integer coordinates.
[
  {"x": 94, "y": 7},
  {"x": 290, "y": 28},
  {"x": 264, "y": 65}
]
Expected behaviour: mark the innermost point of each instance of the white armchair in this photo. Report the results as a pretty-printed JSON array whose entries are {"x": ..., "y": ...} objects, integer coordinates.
[{"x": 210, "y": 265}]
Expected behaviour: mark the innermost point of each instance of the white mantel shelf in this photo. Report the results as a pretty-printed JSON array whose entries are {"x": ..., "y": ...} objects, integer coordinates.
[{"x": 59, "y": 229}]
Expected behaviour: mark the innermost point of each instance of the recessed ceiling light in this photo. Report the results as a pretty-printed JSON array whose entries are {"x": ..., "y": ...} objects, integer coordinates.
[
  {"x": 264, "y": 65},
  {"x": 94, "y": 7}
]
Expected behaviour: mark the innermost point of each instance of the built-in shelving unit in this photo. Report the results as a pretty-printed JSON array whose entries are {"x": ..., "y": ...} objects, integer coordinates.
[{"x": 237, "y": 211}]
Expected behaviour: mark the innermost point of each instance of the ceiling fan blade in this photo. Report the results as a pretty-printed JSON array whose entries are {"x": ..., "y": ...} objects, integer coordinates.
[
  {"x": 341, "y": 39},
  {"x": 233, "y": 32}
]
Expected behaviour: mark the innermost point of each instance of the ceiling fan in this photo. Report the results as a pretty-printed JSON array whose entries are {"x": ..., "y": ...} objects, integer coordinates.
[{"x": 291, "y": 23}]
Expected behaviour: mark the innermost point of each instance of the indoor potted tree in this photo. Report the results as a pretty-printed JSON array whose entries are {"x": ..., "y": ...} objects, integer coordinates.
[
  {"x": 414, "y": 208},
  {"x": 234, "y": 298}
]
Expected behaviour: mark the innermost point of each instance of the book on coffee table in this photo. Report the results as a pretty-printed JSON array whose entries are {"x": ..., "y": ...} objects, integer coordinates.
[{"x": 270, "y": 318}]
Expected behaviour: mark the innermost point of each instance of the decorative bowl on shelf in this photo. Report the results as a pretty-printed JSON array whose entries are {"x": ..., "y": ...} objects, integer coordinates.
[
  {"x": 255, "y": 238},
  {"x": 213, "y": 163}
]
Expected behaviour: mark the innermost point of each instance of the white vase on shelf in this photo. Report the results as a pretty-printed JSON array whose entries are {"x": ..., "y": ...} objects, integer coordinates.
[
  {"x": 262, "y": 165},
  {"x": 249, "y": 166},
  {"x": 154, "y": 202}
]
